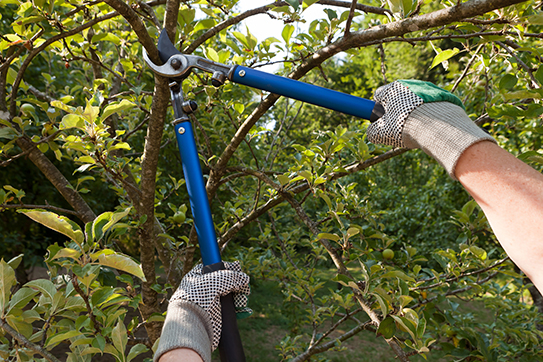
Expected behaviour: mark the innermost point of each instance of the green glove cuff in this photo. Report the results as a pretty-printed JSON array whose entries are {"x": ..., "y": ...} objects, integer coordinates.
[{"x": 430, "y": 92}]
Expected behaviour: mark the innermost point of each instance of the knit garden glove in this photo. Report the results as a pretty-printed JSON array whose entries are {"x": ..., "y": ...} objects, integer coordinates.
[
  {"x": 193, "y": 319},
  {"x": 421, "y": 115}
]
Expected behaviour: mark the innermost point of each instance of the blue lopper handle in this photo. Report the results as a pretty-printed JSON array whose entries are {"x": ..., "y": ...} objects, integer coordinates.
[{"x": 309, "y": 93}]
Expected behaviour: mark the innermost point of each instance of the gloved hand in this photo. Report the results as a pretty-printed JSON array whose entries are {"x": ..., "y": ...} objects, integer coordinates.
[
  {"x": 421, "y": 115},
  {"x": 193, "y": 319}
]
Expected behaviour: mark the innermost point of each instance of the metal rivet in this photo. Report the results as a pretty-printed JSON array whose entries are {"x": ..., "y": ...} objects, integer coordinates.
[
  {"x": 181, "y": 130},
  {"x": 175, "y": 63},
  {"x": 241, "y": 73}
]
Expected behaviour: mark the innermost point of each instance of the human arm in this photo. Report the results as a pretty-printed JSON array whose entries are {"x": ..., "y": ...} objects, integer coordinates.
[
  {"x": 509, "y": 191},
  {"x": 511, "y": 195},
  {"x": 181, "y": 354}
]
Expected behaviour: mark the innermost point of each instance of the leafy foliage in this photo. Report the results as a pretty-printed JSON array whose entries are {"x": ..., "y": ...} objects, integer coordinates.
[{"x": 297, "y": 192}]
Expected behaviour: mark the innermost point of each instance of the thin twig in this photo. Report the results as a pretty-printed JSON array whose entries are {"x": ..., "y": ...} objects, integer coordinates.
[
  {"x": 466, "y": 69},
  {"x": 383, "y": 65},
  {"x": 535, "y": 85},
  {"x": 45, "y": 207},
  {"x": 350, "y": 18}
]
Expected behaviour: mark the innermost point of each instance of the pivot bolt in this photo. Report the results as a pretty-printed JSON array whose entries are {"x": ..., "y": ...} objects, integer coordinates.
[{"x": 175, "y": 63}]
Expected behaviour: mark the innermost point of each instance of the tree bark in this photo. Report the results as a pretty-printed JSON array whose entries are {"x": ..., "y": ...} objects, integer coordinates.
[
  {"x": 58, "y": 180},
  {"x": 149, "y": 166}
]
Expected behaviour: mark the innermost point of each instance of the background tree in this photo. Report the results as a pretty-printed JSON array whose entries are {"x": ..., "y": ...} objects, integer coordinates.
[{"x": 357, "y": 236}]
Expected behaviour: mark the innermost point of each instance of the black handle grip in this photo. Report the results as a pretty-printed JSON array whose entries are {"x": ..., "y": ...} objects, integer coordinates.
[
  {"x": 230, "y": 346},
  {"x": 377, "y": 112}
]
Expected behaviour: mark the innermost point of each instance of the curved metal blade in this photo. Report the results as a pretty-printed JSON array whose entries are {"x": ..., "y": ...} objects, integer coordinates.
[{"x": 166, "y": 49}]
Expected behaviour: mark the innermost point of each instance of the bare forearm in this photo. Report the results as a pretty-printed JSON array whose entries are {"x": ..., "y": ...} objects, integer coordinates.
[
  {"x": 511, "y": 195},
  {"x": 180, "y": 354}
]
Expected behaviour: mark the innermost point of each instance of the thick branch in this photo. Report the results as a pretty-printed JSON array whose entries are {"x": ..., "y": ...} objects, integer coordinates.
[
  {"x": 263, "y": 10},
  {"x": 138, "y": 26},
  {"x": 170, "y": 18},
  {"x": 437, "y": 18},
  {"x": 149, "y": 164},
  {"x": 58, "y": 180}
]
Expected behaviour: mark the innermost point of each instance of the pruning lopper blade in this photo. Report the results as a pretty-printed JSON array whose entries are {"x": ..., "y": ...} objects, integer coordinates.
[{"x": 178, "y": 65}]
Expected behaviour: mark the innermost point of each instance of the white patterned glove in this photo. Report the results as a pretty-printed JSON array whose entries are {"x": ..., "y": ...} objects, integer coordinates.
[
  {"x": 419, "y": 114},
  {"x": 194, "y": 317}
]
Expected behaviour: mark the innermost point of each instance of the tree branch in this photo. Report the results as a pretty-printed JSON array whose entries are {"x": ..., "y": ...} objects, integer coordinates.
[
  {"x": 26, "y": 343},
  {"x": 466, "y": 69},
  {"x": 324, "y": 347},
  {"x": 46, "y": 207},
  {"x": 58, "y": 180},
  {"x": 138, "y": 27},
  {"x": 456, "y": 278}
]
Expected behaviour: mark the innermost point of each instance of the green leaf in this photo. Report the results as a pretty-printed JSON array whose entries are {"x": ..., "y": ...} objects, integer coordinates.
[
  {"x": 16, "y": 261},
  {"x": 56, "y": 222},
  {"x": 308, "y": 3},
  {"x": 106, "y": 37},
  {"x": 67, "y": 253},
  {"x": 119, "y": 338},
  {"x": 536, "y": 19},
  {"x": 287, "y": 32},
  {"x": 397, "y": 274},
  {"x": 115, "y": 218},
  {"x": 478, "y": 252},
  {"x": 294, "y": 3},
  {"x": 57, "y": 338},
  {"x": 508, "y": 81},
  {"x": 117, "y": 107},
  {"x": 21, "y": 298},
  {"x": 539, "y": 75},
  {"x": 407, "y": 325},
  {"x": 136, "y": 351},
  {"x": 20, "y": 325},
  {"x": 522, "y": 94},
  {"x": 99, "y": 223},
  {"x": 383, "y": 304},
  {"x": 387, "y": 328},
  {"x": 407, "y": 7},
  {"x": 72, "y": 121},
  {"x": 328, "y": 236},
  {"x": 283, "y": 179},
  {"x": 86, "y": 159},
  {"x": 8, "y": 133},
  {"x": 532, "y": 156},
  {"x": 212, "y": 54},
  {"x": 443, "y": 56},
  {"x": 405, "y": 300},
  {"x": 204, "y": 24},
  {"x": 119, "y": 262},
  {"x": 119, "y": 146},
  {"x": 331, "y": 14},
  {"x": 46, "y": 287},
  {"x": 7, "y": 280},
  {"x": 421, "y": 327}
]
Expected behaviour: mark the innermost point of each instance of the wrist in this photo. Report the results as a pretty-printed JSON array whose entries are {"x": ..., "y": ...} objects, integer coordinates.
[
  {"x": 186, "y": 326},
  {"x": 443, "y": 131}
]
